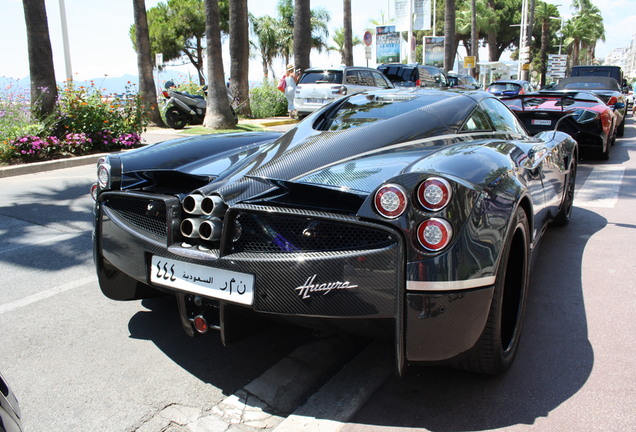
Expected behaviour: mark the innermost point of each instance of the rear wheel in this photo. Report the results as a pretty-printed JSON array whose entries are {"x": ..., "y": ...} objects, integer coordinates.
[
  {"x": 497, "y": 346},
  {"x": 621, "y": 127},
  {"x": 605, "y": 152},
  {"x": 563, "y": 217},
  {"x": 176, "y": 119}
]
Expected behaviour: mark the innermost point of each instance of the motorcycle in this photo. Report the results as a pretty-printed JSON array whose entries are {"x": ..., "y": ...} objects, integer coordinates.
[{"x": 183, "y": 108}]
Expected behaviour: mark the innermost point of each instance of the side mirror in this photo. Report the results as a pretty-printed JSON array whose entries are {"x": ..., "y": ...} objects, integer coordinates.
[{"x": 619, "y": 105}]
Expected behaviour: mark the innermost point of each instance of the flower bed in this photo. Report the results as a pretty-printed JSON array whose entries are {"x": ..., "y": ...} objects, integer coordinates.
[{"x": 85, "y": 121}]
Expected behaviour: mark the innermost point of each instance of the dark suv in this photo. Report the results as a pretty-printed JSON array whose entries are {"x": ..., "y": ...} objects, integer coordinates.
[{"x": 414, "y": 75}]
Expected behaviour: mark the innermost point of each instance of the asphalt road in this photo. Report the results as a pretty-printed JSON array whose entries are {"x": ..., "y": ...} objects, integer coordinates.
[{"x": 81, "y": 362}]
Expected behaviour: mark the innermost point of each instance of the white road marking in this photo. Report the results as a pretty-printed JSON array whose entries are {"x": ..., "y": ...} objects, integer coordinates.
[
  {"x": 601, "y": 187},
  {"x": 25, "y": 301}
]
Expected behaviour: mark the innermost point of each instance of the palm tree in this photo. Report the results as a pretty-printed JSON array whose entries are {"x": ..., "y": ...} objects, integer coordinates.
[
  {"x": 583, "y": 30},
  {"x": 218, "y": 112},
  {"x": 544, "y": 13},
  {"x": 239, "y": 55},
  {"x": 267, "y": 33},
  {"x": 449, "y": 35},
  {"x": 347, "y": 54},
  {"x": 339, "y": 40},
  {"x": 41, "y": 69},
  {"x": 147, "y": 89}
]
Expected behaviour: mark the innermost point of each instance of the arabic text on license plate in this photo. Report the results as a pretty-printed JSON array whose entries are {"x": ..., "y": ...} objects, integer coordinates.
[
  {"x": 207, "y": 281},
  {"x": 540, "y": 122},
  {"x": 316, "y": 101}
]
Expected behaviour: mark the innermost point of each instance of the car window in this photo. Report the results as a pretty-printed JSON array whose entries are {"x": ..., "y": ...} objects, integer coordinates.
[
  {"x": 500, "y": 87},
  {"x": 399, "y": 73},
  {"x": 366, "y": 79},
  {"x": 478, "y": 121},
  {"x": 380, "y": 80},
  {"x": 501, "y": 117},
  {"x": 319, "y": 77}
]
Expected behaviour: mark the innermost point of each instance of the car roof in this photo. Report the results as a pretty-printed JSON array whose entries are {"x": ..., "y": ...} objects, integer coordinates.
[
  {"x": 520, "y": 82},
  {"x": 603, "y": 83},
  {"x": 337, "y": 68}
]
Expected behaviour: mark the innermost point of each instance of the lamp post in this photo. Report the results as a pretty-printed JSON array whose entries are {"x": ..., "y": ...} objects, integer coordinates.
[{"x": 67, "y": 50}]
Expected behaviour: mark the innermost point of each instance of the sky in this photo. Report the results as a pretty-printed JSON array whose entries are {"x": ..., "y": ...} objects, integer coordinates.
[{"x": 100, "y": 45}]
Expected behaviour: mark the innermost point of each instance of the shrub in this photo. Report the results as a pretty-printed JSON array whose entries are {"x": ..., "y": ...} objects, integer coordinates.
[
  {"x": 85, "y": 122},
  {"x": 267, "y": 101}
]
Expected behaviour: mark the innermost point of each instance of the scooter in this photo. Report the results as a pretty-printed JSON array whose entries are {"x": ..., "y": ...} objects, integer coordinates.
[{"x": 183, "y": 108}]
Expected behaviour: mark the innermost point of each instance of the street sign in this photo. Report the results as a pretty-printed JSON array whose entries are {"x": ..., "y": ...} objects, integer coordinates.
[
  {"x": 367, "y": 52},
  {"x": 469, "y": 62},
  {"x": 368, "y": 38}
]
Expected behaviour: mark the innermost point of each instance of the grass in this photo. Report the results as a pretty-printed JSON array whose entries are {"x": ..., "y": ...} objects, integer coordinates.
[{"x": 202, "y": 130}]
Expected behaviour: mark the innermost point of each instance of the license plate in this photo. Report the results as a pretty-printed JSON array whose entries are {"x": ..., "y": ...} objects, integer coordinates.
[
  {"x": 539, "y": 122},
  {"x": 316, "y": 101},
  {"x": 206, "y": 281}
]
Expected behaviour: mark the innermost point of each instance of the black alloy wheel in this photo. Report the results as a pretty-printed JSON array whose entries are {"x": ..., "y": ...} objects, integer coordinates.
[
  {"x": 563, "y": 217},
  {"x": 497, "y": 346}
]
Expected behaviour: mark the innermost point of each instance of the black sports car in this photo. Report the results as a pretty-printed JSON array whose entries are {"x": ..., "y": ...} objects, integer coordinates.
[
  {"x": 409, "y": 213},
  {"x": 592, "y": 121}
]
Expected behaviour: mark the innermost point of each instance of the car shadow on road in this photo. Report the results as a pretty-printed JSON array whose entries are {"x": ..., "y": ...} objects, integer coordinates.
[
  {"x": 554, "y": 361},
  {"x": 205, "y": 357}
]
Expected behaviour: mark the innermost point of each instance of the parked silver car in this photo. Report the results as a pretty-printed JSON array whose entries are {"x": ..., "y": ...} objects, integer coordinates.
[{"x": 320, "y": 86}]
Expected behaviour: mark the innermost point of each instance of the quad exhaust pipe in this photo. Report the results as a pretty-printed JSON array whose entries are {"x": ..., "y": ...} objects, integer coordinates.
[
  {"x": 211, "y": 205},
  {"x": 203, "y": 228},
  {"x": 209, "y": 225}
]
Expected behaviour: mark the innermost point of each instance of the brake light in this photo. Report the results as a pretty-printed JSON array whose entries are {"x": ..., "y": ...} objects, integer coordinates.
[
  {"x": 418, "y": 82},
  {"x": 165, "y": 94},
  {"x": 390, "y": 201},
  {"x": 434, "y": 234},
  {"x": 434, "y": 193}
]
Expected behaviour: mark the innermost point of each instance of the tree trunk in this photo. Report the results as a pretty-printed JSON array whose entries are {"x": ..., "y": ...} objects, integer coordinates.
[
  {"x": 218, "y": 113},
  {"x": 302, "y": 33},
  {"x": 239, "y": 55},
  {"x": 449, "y": 35},
  {"x": 147, "y": 88},
  {"x": 348, "y": 37},
  {"x": 41, "y": 69},
  {"x": 492, "y": 37}
]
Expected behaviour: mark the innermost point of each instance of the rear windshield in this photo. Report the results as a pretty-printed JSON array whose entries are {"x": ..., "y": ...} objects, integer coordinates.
[
  {"x": 398, "y": 74},
  {"x": 500, "y": 87},
  {"x": 321, "y": 77}
]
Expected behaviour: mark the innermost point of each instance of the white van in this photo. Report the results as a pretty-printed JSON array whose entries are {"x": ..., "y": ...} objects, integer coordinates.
[{"x": 320, "y": 86}]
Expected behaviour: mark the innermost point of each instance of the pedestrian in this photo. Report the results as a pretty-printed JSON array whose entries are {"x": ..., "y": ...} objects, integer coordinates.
[{"x": 291, "y": 78}]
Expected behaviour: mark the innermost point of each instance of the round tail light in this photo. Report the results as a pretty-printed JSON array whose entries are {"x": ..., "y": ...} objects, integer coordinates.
[
  {"x": 434, "y": 234},
  {"x": 434, "y": 193},
  {"x": 390, "y": 201}
]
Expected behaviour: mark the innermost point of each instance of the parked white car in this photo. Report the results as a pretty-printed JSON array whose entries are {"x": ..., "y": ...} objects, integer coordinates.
[{"x": 320, "y": 86}]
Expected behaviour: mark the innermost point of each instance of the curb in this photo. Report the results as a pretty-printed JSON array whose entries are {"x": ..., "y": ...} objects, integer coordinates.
[{"x": 32, "y": 168}]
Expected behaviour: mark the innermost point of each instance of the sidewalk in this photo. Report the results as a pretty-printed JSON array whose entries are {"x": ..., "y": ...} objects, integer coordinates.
[{"x": 151, "y": 136}]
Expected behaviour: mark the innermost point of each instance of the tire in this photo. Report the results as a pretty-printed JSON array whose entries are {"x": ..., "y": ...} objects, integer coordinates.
[
  {"x": 497, "y": 346},
  {"x": 621, "y": 127},
  {"x": 563, "y": 217},
  {"x": 176, "y": 119},
  {"x": 605, "y": 154}
]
